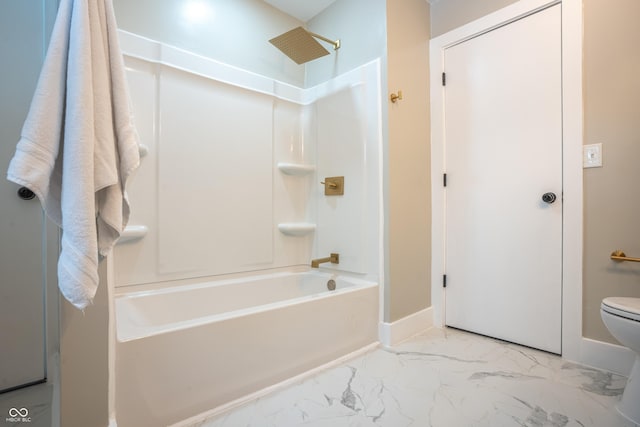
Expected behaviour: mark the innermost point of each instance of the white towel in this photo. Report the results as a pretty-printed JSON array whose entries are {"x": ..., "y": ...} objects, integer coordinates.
[{"x": 79, "y": 146}]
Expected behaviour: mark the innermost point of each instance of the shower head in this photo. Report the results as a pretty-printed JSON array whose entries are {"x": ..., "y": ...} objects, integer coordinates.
[{"x": 301, "y": 46}]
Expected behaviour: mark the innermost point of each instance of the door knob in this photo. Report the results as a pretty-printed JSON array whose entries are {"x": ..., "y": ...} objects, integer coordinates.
[
  {"x": 25, "y": 194},
  {"x": 549, "y": 197}
]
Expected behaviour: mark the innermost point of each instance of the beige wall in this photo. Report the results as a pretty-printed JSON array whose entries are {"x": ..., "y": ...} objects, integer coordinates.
[
  {"x": 408, "y": 243},
  {"x": 612, "y": 117}
]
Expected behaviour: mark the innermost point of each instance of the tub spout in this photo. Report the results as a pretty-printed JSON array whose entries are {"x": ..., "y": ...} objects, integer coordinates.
[{"x": 333, "y": 259}]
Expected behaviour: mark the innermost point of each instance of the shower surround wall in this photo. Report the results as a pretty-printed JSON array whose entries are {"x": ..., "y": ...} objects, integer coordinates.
[{"x": 214, "y": 185}]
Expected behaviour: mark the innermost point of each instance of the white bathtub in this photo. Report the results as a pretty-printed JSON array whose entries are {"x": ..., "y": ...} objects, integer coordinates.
[{"x": 185, "y": 350}]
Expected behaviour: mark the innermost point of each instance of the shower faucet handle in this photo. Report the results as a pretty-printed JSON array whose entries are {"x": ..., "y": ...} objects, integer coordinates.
[{"x": 333, "y": 186}]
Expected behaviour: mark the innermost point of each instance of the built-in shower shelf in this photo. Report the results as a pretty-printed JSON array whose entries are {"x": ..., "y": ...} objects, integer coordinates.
[
  {"x": 133, "y": 232},
  {"x": 296, "y": 168},
  {"x": 296, "y": 228}
]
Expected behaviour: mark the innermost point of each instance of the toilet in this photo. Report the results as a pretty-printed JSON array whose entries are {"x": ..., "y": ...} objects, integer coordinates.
[{"x": 622, "y": 317}]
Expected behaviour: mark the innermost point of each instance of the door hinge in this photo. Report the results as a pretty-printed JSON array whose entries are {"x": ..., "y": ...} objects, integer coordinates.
[
  {"x": 444, "y": 179},
  {"x": 444, "y": 79},
  {"x": 444, "y": 280}
]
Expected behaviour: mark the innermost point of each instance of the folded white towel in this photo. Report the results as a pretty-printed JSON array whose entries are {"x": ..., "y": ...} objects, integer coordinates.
[{"x": 79, "y": 146}]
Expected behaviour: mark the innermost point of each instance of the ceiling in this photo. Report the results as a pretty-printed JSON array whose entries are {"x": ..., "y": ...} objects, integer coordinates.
[{"x": 303, "y": 10}]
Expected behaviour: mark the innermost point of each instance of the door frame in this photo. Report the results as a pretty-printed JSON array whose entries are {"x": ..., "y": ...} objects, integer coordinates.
[{"x": 572, "y": 136}]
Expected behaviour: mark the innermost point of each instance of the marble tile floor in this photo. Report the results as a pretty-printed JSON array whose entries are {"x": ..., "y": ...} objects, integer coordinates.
[{"x": 443, "y": 377}]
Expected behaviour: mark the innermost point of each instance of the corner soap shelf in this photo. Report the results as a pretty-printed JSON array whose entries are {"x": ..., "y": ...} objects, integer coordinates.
[
  {"x": 296, "y": 168},
  {"x": 296, "y": 228}
]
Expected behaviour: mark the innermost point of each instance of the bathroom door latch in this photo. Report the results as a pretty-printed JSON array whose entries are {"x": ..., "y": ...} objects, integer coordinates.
[{"x": 333, "y": 186}]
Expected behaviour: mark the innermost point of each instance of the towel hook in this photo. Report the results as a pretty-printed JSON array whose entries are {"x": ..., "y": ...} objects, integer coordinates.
[{"x": 394, "y": 97}]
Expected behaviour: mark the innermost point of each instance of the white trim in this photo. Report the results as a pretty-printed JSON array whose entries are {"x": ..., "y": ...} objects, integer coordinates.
[
  {"x": 111, "y": 349},
  {"x": 572, "y": 122},
  {"x": 609, "y": 357},
  {"x": 572, "y": 149},
  {"x": 140, "y": 48},
  {"x": 391, "y": 334}
]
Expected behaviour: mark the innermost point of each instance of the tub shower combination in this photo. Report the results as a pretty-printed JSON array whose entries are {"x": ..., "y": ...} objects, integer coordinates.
[{"x": 208, "y": 312}]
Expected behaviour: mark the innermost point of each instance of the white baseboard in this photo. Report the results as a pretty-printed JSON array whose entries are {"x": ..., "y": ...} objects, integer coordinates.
[
  {"x": 395, "y": 332},
  {"x": 609, "y": 357}
]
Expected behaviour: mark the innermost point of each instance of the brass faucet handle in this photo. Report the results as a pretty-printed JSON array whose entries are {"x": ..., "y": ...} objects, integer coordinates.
[{"x": 333, "y": 185}]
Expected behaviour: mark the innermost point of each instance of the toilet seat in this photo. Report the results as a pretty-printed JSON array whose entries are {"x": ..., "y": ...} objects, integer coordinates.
[{"x": 628, "y": 308}]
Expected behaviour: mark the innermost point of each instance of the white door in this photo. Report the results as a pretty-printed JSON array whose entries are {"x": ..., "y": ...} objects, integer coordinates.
[
  {"x": 23, "y": 32},
  {"x": 503, "y": 144}
]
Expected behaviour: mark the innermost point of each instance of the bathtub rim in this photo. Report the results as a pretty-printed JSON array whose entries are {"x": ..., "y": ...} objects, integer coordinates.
[
  {"x": 135, "y": 291},
  {"x": 121, "y": 290},
  {"x": 141, "y": 332}
]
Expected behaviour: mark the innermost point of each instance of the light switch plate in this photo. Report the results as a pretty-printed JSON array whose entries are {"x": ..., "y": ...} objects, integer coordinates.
[{"x": 592, "y": 156}]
